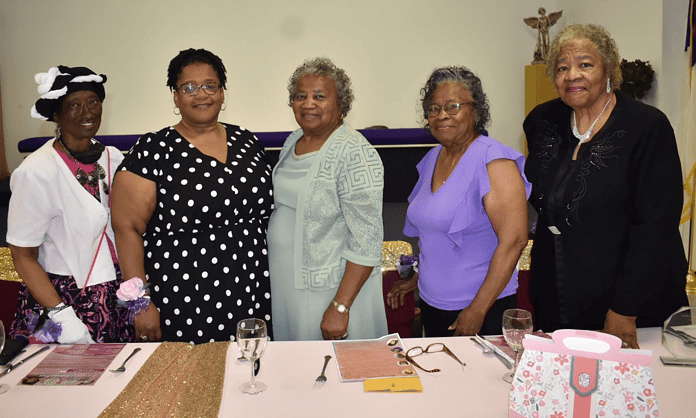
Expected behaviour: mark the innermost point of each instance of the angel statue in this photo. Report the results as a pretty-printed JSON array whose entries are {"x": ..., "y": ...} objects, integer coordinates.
[{"x": 543, "y": 23}]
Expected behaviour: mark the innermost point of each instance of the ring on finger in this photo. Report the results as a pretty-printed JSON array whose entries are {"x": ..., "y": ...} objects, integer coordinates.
[
  {"x": 143, "y": 337},
  {"x": 342, "y": 337},
  {"x": 624, "y": 344}
]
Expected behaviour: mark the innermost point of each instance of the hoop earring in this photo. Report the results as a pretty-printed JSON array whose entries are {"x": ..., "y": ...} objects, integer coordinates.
[
  {"x": 224, "y": 106},
  {"x": 175, "y": 109},
  {"x": 608, "y": 85}
]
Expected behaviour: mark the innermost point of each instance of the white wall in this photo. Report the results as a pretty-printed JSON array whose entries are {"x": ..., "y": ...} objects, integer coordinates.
[{"x": 387, "y": 47}]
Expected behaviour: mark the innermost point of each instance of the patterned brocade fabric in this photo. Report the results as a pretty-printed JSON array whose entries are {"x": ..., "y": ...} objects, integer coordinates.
[
  {"x": 391, "y": 253},
  {"x": 178, "y": 380},
  {"x": 7, "y": 268}
]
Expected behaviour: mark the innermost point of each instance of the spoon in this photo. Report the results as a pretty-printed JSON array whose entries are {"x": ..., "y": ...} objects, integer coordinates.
[{"x": 486, "y": 350}]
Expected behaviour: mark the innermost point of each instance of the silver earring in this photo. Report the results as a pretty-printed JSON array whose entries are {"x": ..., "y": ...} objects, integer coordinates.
[
  {"x": 224, "y": 106},
  {"x": 608, "y": 85},
  {"x": 175, "y": 109},
  {"x": 57, "y": 131}
]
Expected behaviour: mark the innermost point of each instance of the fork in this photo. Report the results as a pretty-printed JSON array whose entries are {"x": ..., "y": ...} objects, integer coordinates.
[
  {"x": 123, "y": 366},
  {"x": 322, "y": 379}
]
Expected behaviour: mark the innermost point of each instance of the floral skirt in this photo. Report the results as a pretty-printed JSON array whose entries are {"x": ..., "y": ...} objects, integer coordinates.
[{"x": 96, "y": 308}]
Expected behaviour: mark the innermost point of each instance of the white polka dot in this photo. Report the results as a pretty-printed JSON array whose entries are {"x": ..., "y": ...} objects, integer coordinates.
[
  {"x": 204, "y": 275},
  {"x": 185, "y": 276},
  {"x": 200, "y": 333},
  {"x": 209, "y": 320},
  {"x": 230, "y": 316},
  {"x": 179, "y": 334},
  {"x": 239, "y": 302},
  {"x": 177, "y": 311},
  {"x": 187, "y": 299},
  {"x": 165, "y": 300},
  {"x": 213, "y": 193},
  {"x": 206, "y": 297},
  {"x": 175, "y": 289},
  {"x": 191, "y": 203},
  {"x": 189, "y": 321},
  {"x": 218, "y": 305},
  {"x": 167, "y": 322},
  {"x": 221, "y": 327}
]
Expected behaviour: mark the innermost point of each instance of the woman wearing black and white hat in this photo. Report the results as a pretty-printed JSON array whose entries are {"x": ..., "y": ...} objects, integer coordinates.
[{"x": 58, "y": 225}]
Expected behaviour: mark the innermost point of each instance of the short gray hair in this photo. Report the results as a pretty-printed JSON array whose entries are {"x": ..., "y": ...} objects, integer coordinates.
[
  {"x": 324, "y": 67},
  {"x": 469, "y": 81},
  {"x": 600, "y": 38}
]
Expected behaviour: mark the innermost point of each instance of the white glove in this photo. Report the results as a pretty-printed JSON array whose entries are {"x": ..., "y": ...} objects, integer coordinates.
[{"x": 73, "y": 330}]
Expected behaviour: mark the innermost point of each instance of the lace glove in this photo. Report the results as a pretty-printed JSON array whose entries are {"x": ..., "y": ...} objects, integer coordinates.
[{"x": 73, "y": 330}]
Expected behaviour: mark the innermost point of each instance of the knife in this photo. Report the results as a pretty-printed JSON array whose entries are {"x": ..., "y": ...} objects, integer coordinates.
[
  {"x": 13, "y": 366},
  {"x": 502, "y": 358}
]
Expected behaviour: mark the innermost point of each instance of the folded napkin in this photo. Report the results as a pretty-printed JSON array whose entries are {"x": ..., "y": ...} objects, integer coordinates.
[{"x": 178, "y": 380}]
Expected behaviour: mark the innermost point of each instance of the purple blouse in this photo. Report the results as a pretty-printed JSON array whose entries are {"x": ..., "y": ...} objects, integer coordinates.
[{"x": 456, "y": 238}]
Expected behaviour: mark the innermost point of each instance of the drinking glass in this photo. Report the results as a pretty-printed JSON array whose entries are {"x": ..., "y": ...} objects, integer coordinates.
[
  {"x": 516, "y": 323},
  {"x": 3, "y": 387},
  {"x": 252, "y": 338}
]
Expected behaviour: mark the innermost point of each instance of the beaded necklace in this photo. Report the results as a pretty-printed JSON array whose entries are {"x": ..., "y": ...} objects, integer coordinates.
[{"x": 90, "y": 181}]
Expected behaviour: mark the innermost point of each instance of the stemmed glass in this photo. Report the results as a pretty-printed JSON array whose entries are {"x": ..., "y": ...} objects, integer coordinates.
[
  {"x": 3, "y": 386},
  {"x": 252, "y": 338},
  {"x": 516, "y": 323}
]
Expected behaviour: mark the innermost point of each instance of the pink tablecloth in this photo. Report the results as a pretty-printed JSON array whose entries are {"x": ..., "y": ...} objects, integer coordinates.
[{"x": 289, "y": 369}]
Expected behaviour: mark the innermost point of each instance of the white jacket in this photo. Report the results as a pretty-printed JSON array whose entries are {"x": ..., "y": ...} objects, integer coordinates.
[{"x": 49, "y": 209}]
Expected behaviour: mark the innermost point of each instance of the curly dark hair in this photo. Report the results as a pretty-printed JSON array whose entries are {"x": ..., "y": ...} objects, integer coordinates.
[
  {"x": 190, "y": 56},
  {"x": 324, "y": 67},
  {"x": 469, "y": 81}
]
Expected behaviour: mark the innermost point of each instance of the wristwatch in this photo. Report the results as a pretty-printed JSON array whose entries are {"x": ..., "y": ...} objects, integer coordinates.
[{"x": 341, "y": 308}]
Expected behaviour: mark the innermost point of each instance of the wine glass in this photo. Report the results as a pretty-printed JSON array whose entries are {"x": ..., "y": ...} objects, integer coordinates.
[
  {"x": 516, "y": 323},
  {"x": 3, "y": 387},
  {"x": 252, "y": 338}
]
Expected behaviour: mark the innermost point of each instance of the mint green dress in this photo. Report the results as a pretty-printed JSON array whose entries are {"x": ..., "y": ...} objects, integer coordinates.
[{"x": 298, "y": 312}]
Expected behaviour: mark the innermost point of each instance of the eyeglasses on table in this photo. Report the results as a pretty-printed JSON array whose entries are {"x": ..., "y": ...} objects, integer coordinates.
[{"x": 432, "y": 348}]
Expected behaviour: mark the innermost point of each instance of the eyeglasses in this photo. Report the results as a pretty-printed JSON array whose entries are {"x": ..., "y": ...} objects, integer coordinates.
[
  {"x": 432, "y": 348},
  {"x": 192, "y": 89},
  {"x": 450, "y": 108}
]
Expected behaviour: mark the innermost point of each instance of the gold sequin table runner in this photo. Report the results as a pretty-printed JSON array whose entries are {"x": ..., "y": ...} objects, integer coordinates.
[{"x": 177, "y": 380}]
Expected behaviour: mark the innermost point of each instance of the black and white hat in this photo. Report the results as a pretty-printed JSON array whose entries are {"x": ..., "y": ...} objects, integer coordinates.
[{"x": 60, "y": 81}]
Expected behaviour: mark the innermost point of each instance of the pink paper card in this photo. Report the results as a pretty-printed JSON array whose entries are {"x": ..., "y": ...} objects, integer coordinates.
[
  {"x": 368, "y": 359},
  {"x": 73, "y": 365}
]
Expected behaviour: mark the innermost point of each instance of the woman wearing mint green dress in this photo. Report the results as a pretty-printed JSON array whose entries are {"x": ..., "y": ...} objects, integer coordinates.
[{"x": 325, "y": 235}]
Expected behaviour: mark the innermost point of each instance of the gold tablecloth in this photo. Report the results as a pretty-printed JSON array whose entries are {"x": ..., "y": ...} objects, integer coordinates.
[{"x": 178, "y": 380}]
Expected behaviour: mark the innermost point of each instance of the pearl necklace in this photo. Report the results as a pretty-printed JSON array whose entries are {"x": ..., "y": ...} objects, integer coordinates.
[{"x": 586, "y": 137}]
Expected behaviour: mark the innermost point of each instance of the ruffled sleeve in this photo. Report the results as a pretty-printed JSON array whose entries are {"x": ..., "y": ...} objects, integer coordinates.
[{"x": 471, "y": 214}]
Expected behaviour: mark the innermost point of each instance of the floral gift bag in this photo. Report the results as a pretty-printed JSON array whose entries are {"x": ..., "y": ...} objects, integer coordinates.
[{"x": 582, "y": 374}]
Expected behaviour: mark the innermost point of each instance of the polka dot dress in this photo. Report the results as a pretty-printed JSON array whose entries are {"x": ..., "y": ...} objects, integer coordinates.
[{"x": 205, "y": 244}]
